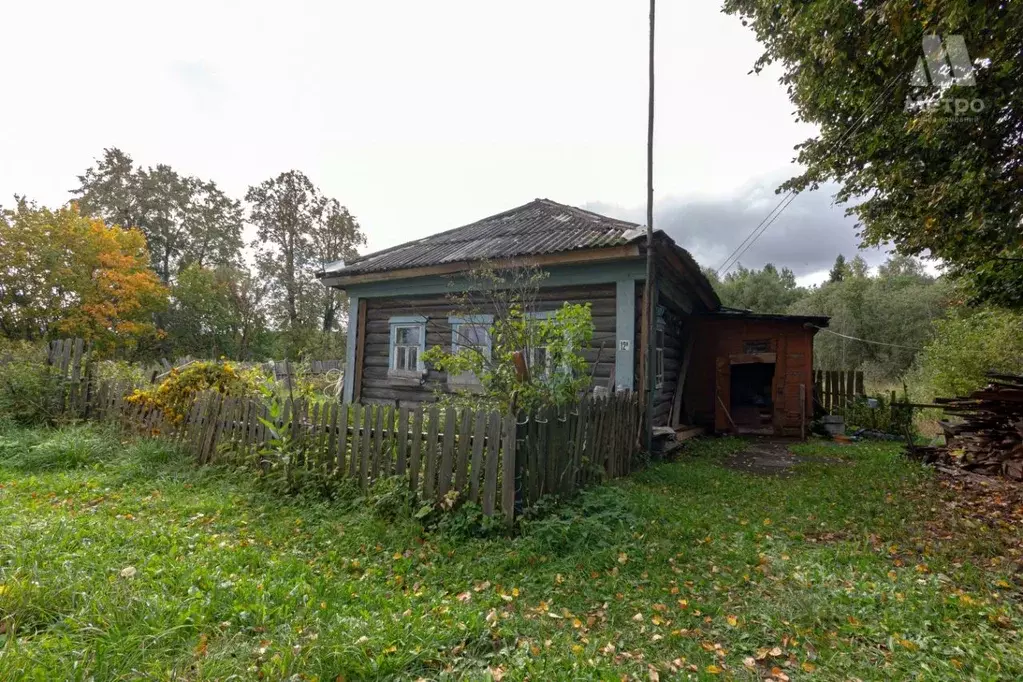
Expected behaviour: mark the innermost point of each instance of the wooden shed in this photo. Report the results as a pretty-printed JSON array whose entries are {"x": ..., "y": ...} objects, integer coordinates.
[{"x": 399, "y": 306}]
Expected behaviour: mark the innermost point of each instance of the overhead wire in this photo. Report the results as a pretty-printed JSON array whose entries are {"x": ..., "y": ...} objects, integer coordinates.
[{"x": 761, "y": 228}]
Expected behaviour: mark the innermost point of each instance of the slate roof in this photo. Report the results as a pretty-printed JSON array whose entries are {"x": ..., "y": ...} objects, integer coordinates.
[{"x": 542, "y": 226}]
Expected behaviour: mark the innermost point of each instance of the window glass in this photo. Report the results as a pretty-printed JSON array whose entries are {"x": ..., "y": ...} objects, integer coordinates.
[{"x": 406, "y": 348}]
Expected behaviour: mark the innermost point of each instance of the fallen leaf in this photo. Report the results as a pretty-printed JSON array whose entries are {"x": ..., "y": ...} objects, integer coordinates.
[
  {"x": 128, "y": 572},
  {"x": 713, "y": 669}
]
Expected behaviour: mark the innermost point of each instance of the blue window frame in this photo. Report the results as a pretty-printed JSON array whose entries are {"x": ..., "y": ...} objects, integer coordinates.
[{"x": 408, "y": 343}]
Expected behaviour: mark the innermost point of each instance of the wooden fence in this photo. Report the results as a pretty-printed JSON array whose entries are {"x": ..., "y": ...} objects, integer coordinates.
[
  {"x": 505, "y": 463},
  {"x": 835, "y": 389},
  {"x": 285, "y": 368}
]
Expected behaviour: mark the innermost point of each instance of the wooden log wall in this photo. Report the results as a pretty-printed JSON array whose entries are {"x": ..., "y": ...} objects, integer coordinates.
[{"x": 377, "y": 387}]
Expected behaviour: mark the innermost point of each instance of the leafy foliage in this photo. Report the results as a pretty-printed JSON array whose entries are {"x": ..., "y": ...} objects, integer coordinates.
[
  {"x": 299, "y": 230},
  {"x": 898, "y": 307},
  {"x": 923, "y": 174},
  {"x": 548, "y": 345},
  {"x": 764, "y": 291},
  {"x": 176, "y": 394},
  {"x": 26, "y": 385},
  {"x": 186, "y": 221},
  {"x": 217, "y": 312},
  {"x": 70, "y": 275},
  {"x": 967, "y": 344}
]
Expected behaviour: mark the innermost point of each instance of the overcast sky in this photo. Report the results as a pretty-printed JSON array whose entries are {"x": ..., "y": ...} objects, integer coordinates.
[{"x": 420, "y": 116}]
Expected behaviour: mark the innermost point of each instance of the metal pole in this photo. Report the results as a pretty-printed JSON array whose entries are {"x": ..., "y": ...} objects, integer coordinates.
[{"x": 648, "y": 299}]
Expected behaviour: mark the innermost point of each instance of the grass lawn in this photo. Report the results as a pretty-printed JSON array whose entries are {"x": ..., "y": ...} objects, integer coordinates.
[{"x": 118, "y": 560}]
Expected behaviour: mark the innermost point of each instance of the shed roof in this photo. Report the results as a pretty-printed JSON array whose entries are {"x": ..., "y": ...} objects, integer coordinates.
[
  {"x": 726, "y": 313},
  {"x": 540, "y": 227}
]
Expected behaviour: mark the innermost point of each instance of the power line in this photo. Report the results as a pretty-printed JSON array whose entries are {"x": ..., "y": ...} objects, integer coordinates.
[
  {"x": 754, "y": 235},
  {"x": 854, "y": 338}
]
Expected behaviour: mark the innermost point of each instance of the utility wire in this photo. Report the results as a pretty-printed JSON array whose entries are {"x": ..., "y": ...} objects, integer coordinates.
[
  {"x": 854, "y": 338},
  {"x": 754, "y": 235}
]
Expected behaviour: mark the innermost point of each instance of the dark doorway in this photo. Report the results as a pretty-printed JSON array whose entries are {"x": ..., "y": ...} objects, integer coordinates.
[{"x": 751, "y": 406}]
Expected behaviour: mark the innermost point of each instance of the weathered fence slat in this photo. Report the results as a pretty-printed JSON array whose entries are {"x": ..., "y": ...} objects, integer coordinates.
[
  {"x": 462, "y": 457},
  {"x": 490, "y": 473},
  {"x": 447, "y": 453},
  {"x": 430, "y": 455},
  {"x": 416, "y": 435}
]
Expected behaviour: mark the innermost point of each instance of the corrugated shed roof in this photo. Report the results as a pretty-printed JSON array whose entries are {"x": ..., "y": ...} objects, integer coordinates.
[{"x": 539, "y": 227}]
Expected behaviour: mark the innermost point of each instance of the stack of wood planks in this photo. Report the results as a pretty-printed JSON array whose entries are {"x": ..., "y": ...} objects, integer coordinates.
[{"x": 988, "y": 436}]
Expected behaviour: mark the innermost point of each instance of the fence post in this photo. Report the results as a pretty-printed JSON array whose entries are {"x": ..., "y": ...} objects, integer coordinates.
[{"x": 509, "y": 466}]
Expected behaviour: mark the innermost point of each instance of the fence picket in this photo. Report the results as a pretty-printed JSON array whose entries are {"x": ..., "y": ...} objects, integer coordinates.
[
  {"x": 342, "y": 438},
  {"x": 447, "y": 453},
  {"x": 401, "y": 433},
  {"x": 508, "y": 469},
  {"x": 462, "y": 458},
  {"x": 475, "y": 467},
  {"x": 367, "y": 431},
  {"x": 430, "y": 455},
  {"x": 416, "y": 435},
  {"x": 493, "y": 454},
  {"x": 356, "y": 457},
  {"x": 378, "y": 443}
]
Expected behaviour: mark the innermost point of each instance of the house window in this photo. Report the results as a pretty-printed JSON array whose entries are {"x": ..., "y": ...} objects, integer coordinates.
[
  {"x": 408, "y": 343},
  {"x": 659, "y": 355},
  {"x": 470, "y": 333},
  {"x": 539, "y": 356}
]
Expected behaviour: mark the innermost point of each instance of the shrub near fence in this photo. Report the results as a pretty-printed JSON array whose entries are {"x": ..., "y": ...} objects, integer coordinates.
[{"x": 505, "y": 463}]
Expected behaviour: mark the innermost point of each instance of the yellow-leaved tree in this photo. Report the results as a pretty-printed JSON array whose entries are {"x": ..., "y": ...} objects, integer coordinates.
[{"x": 67, "y": 275}]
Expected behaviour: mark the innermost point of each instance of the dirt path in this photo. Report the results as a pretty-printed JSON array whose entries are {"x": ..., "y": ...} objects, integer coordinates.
[{"x": 769, "y": 457}]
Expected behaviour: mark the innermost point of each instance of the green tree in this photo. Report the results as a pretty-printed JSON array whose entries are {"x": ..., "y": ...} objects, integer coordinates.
[
  {"x": 839, "y": 270},
  {"x": 897, "y": 309},
  {"x": 762, "y": 291},
  {"x": 299, "y": 230},
  {"x": 184, "y": 219},
  {"x": 531, "y": 360},
  {"x": 966, "y": 345},
  {"x": 216, "y": 312},
  {"x": 65, "y": 274},
  {"x": 929, "y": 157}
]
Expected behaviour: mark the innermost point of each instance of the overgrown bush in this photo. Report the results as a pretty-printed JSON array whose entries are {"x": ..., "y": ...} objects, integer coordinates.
[
  {"x": 967, "y": 344},
  {"x": 175, "y": 395},
  {"x": 593, "y": 520},
  {"x": 27, "y": 386}
]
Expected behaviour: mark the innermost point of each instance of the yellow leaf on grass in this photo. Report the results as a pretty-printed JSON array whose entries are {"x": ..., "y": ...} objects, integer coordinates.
[
  {"x": 713, "y": 669},
  {"x": 807, "y": 666},
  {"x": 732, "y": 620},
  {"x": 623, "y": 557}
]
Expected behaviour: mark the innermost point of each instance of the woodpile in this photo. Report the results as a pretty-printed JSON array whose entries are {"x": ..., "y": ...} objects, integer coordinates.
[{"x": 987, "y": 437}]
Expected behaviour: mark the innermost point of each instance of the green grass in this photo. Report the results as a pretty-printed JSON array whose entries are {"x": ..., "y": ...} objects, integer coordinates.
[{"x": 849, "y": 569}]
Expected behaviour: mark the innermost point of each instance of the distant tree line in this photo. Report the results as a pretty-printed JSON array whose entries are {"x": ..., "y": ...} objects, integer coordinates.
[{"x": 147, "y": 261}]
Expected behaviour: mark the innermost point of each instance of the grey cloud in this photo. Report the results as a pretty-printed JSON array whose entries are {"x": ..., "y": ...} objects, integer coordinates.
[{"x": 806, "y": 237}]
